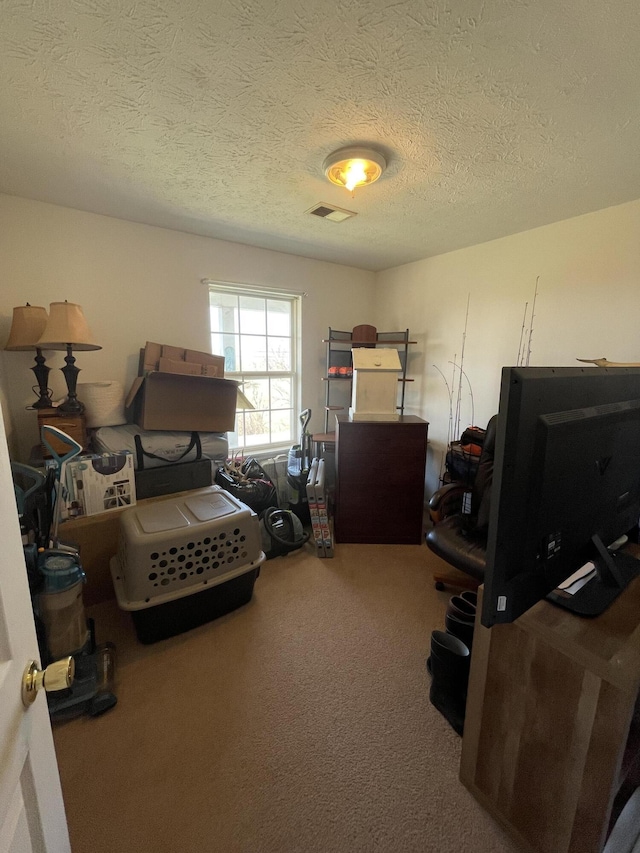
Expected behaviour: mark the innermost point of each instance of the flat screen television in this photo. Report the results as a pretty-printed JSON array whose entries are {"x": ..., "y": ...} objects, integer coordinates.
[{"x": 566, "y": 487}]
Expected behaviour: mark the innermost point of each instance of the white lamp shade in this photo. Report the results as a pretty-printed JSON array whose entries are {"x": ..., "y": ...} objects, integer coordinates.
[
  {"x": 67, "y": 326},
  {"x": 27, "y": 326}
]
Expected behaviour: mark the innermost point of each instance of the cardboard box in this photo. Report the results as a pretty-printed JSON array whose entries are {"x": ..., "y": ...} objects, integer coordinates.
[
  {"x": 213, "y": 369},
  {"x": 172, "y": 401},
  {"x": 100, "y": 483},
  {"x": 176, "y": 353},
  {"x": 168, "y": 359},
  {"x": 196, "y": 357},
  {"x": 149, "y": 357},
  {"x": 170, "y": 365}
]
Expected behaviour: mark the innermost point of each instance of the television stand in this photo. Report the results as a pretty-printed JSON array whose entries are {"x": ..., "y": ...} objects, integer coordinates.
[{"x": 551, "y": 739}]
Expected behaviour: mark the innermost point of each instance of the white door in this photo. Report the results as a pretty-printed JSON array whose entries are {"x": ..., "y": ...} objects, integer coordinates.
[{"x": 32, "y": 814}]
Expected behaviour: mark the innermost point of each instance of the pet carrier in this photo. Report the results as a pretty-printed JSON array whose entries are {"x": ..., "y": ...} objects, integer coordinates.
[{"x": 185, "y": 560}]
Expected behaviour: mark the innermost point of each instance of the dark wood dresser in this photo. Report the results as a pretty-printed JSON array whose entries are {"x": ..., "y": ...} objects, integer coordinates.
[{"x": 380, "y": 467}]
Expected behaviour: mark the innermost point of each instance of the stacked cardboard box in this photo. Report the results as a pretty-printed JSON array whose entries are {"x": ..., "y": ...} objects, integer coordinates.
[
  {"x": 182, "y": 389},
  {"x": 169, "y": 359}
]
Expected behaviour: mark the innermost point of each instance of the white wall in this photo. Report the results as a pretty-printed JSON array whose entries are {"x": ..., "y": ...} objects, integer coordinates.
[
  {"x": 138, "y": 283},
  {"x": 5, "y": 414},
  {"x": 588, "y": 306}
]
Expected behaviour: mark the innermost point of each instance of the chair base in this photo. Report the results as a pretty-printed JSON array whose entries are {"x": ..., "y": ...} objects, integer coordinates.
[{"x": 459, "y": 580}]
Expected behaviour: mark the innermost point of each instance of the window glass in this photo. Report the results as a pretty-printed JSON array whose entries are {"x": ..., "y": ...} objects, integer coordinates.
[
  {"x": 278, "y": 318},
  {"x": 253, "y": 355},
  {"x": 279, "y": 354},
  {"x": 256, "y": 334}
]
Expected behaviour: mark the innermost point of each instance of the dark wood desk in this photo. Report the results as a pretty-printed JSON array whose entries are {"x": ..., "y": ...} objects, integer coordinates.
[
  {"x": 551, "y": 740},
  {"x": 380, "y": 468}
]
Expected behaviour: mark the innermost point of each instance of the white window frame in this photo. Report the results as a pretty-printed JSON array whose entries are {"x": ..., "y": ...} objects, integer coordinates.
[{"x": 236, "y": 444}]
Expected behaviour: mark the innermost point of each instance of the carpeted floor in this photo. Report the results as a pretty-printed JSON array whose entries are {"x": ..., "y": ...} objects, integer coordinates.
[{"x": 298, "y": 724}]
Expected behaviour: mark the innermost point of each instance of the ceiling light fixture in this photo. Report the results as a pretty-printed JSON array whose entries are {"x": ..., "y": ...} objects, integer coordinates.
[{"x": 354, "y": 167}]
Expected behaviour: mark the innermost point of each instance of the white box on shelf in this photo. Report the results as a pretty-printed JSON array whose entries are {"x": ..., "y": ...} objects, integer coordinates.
[{"x": 375, "y": 383}]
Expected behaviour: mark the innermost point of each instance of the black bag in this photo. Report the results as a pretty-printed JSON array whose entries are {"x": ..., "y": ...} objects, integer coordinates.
[
  {"x": 463, "y": 456},
  {"x": 461, "y": 465},
  {"x": 250, "y": 484},
  {"x": 191, "y": 453},
  {"x": 281, "y": 532},
  {"x": 473, "y": 435}
]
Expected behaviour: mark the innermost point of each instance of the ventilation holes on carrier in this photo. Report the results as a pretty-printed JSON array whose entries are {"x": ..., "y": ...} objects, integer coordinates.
[{"x": 196, "y": 558}]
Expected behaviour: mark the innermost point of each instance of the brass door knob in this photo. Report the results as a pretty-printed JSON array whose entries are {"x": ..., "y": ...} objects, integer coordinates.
[{"x": 57, "y": 676}]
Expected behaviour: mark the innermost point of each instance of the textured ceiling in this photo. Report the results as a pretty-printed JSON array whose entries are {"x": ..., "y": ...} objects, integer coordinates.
[{"x": 214, "y": 116}]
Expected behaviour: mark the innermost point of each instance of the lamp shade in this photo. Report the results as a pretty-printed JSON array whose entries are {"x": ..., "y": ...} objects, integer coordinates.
[
  {"x": 67, "y": 326},
  {"x": 27, "y": 325}
]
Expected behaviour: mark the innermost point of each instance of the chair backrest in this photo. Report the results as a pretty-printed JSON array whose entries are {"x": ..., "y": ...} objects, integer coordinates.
[
  {"x": 481, "y": 491},
  {"x": 365, "y": 335}
]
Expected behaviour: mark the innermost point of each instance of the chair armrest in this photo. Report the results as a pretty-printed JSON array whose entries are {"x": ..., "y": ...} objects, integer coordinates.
[{"x": 446, "y": 501}]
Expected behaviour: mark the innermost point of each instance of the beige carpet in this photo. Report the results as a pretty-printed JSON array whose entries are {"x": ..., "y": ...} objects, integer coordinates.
[{"x": 298, "y": 724}]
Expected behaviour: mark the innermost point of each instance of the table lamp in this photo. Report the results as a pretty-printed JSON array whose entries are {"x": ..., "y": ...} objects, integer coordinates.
[
  {"x": 27, "y": 325},
  {"x": 67, "y": 329}
]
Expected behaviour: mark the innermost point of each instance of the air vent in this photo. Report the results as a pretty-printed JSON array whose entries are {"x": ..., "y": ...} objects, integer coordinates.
[{"x": 329, "y": 211}]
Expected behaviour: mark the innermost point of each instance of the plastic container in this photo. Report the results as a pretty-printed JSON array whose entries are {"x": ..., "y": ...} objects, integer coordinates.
[
  {"x": 60, "y": 570},
  {"x": 184, "y": 560},
  {"x": 180, "y": 614},
  {"x": 60, "y": 604},
  {"x": 62, "y": 613}
]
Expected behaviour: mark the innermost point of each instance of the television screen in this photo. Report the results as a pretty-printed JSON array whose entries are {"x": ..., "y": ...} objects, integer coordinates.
[{"x": 566, "y": 489}]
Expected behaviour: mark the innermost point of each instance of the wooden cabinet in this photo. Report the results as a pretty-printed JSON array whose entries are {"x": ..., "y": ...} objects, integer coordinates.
[
  {"x": 551, "y": 743},
  {"x": 380, "y": 468},
  {"x": 338, "y": 376},
  {"x": 97, "y": 538}
]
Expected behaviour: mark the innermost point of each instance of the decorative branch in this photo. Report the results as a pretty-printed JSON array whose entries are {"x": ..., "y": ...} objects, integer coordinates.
[
  {"x": 464, "y": 337},
  {"x": 449, "y": 394},
  {"x": 520, "y": 345},
  {"x": 533, "y": 308},
  {"x": 473, "y": 405},
  {"x": 456, "y": 386}
]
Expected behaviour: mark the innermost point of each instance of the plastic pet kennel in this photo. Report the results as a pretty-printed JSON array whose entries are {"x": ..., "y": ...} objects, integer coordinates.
[{"x": 185, "y": 560}]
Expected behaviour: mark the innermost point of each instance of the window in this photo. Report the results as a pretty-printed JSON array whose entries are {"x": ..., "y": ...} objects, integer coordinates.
[{"x": 256, "y": 331}]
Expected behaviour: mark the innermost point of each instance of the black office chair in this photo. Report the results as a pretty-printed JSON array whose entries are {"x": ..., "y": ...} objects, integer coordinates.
[{"x": 460, "y": 538}]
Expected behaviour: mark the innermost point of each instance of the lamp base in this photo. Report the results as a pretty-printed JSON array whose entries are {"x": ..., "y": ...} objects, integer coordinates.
[
  {"x": 41, "y": 372},
  {"x": 71, "y": 406},
  {"x": 43, "y": 402}
]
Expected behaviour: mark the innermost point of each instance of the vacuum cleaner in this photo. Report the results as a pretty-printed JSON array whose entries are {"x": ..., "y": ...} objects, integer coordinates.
[
  {"x": 298, "y": 465},
  {"x": 56, "y": 580},
  {"x": 281, "y": 532}
]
